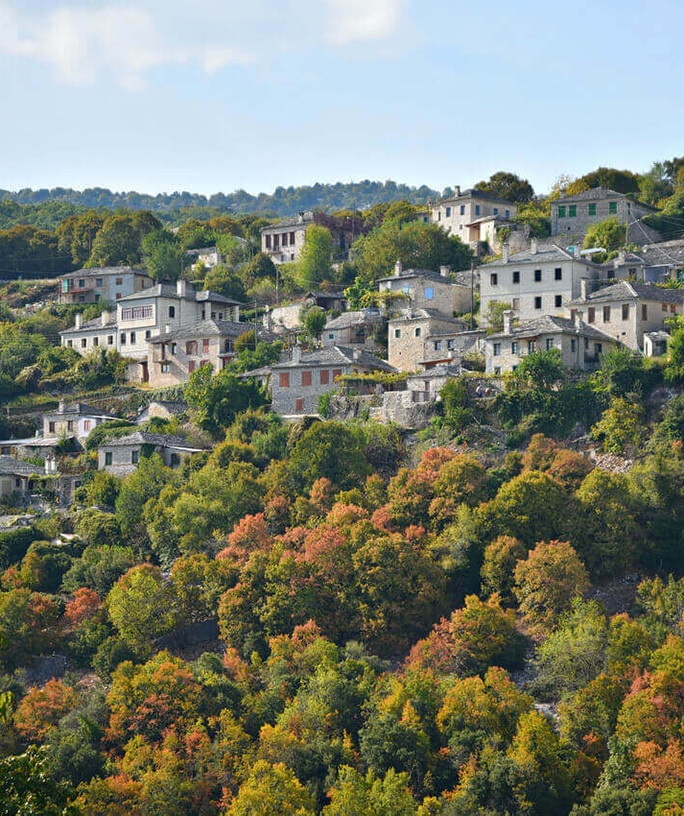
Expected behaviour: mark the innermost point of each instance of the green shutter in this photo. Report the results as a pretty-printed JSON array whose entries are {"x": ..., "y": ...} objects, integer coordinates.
[
  {"x": 561, "y": 212},
  {"x": 573, "y": 211},
  {"x": 613, "y": 207},
  {"x": 592, "y": 209}
]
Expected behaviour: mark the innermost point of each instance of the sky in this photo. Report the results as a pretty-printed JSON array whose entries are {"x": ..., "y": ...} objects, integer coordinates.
[{"x": 217, "y": 95}]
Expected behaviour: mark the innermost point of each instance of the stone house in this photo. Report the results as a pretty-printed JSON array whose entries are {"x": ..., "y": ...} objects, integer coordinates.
[
  {"x": 580, "y": 345},
  {"x": 284, "y": 241},
  {"x": 73, "y": 419},
  {"x": 209, "y": 257},
  {"x": 357, "y": 328},
  {"x": 657, "y": 343},
  {"x": 573, "y": 215},
  {"x": 161, "y": 409},
  {"x": 663, "y": 261},
  {"x": 16, "y": 477},
  {"x": 174, "y": 355},
  {"x": 627, "y": 310},
  {"x": 408, "y": 333},
  {"x": 288, "y": 316},
  {"x": 451, "y": 347},
  {"x": 424, "y": 289},
  {"x": 432, "y": 379},
  {"x": 109, "y": 283},
  {"x": 538, "y": 281},
  {"x": 145, "y": 314},
  {"x": 473, "y": 215},
  {"x": 121, "y": 456},
  {"x": 297, "y": 383}
]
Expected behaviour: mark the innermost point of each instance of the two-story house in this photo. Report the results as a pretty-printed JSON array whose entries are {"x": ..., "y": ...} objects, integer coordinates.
[
  {"x": 289, "y": 315},
  {"x": 538, "y": 281},
  {"x": 580, "y": 345},
  {"x": 174, "y": 355},
  {"x": 424, "y": 289},
  {"x": 573, "y": 215},
  {"x": 122, "y": 455},
  {"x": 296, "y": 384},
  {"x": 363, "y": 327},
  {"x": 473, "y": 215},
  {"x": 411, "y": 333},
  {"x": 102, "y": 283},
  {"x": 73, "y": 419},
  {"x": 284, "y": 241},
  {"x": 628, "y": 310}
]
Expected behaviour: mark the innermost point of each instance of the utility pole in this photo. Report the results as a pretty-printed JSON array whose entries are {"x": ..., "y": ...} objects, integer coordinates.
[{"x": 472, "y": 293}]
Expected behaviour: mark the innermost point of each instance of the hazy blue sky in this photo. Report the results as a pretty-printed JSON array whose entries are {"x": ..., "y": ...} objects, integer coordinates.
[{"x": 213, "y": 95}]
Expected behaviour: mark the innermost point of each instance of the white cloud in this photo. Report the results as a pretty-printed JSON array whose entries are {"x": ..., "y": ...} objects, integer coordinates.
[
  {"x": 84, "y": 43},
  {"x": 352, "y": 20}
]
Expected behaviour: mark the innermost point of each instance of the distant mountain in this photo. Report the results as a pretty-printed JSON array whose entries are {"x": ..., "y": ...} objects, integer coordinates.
[{"x": 283, "y": 201}]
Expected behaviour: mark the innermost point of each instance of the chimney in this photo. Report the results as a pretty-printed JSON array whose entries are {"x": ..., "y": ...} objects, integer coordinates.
[
  {"x": 584, "y": 288},
  {"x": 236, "y": 314},
  {"x": 445, "y": 271},
  {"x": 167, "y": 328},
  {"x": 105, "y": 317},
  {"x": 457, "y": 189},
  {"x": 505, "y": 253},
  {"x": 79, "y": 320},
  {"x": 357, "y": 354},
  {"x": 296, "y": 354},
  {"x": 398, "y": 268},
  {"x": 62, "y": 406},
  {"x": 508, "y": 321},
  {"x": 578, "y": 319},
  {"x": 534, "y": 246},
  {"x": 181, "y": 288}
]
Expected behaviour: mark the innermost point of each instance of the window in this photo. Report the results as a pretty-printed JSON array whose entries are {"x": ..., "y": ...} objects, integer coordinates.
[
  {"x": 591, "y": 314},
  {"x": 84, "y": 342},
  {"x": 516, "y": 277},
  {"x": 673, "y": 308},
  {"x": 592, "y": 209},
  {"x": 477, "y": 209},
  {"x": 561, "y": 212},
  {"x": 558, "y": 301},
  {"x": 625, "y": 311},
  {"x": 515, "y": 304},
  {"x": 664, "y": 307},
  {"x": 325, "y": 377},
  {"x": 191, "y": 366},
  {"x": 497, "y": 349},
  {"x": 70, "y": 343},
  {"x": 417, "y": 332},
  {"x": 448, "y": 212},
  {"x": 119, "y": 281},
  {"x": 644, "y": 311},
  {"x": 268, "y": 242},
  {"x": 538, "y": 302},
  {"x": 451, "y": 345},
  {"x": 495, "y": 211},
  {"x": 135, "y": 457},
  {"x": 494, "y": 279},
  {"x": 118, "y": 295},
  {"x": 205, "y": 345},
  {"x": 397, "y": 334},
  {"x": 148, "y": 334},
  {"x": 429, "y": 293},
  {"x": 174, "y": 460},
  {"x": 331, "y": 336},
  {"x": 606, "y": 314},
  {"x": 284, "y": 379},
  {"x": 586, "y": 342},
  {"x": 137, "y": 313},
  {"x": 70, "y": 425},
  {"x": 439, "y": 215},
  {"x": 191, "y": 348},
  {"x": 86, "y": 425},
  {"x": 438, "y": 345},
  {"x": 558, "y": 273},
  {"x": 514, "y": 347},
  {"x": 299, "y": 404},
  {"x": 573, "y": 344},
  {"x": 81, "y": 283},
  {"x": 572, "y": 211},
  {"x": 549, "y": 343},
  {"x": 497, "y": 370},
  {"x": 165, "y": 367},
  {"x": 132, "y": 338},
  {"x": 337, "y": 373},
  {"x": 285, "y": 237},
  {"x": 174, "y": 348},
  {"x": 108, "y": 458},
  {"x": 537, "y": 275},
  {"x": 172, "y": 311},
  {"x": 599, "y": 348},
  {"x": 531, "y": 346},
  {"x": 276, "y": 242},
  {"x": 51, "y": 426},
  {"x": 292, "y": 239},
  {"x": 508, "y": 213},
  {"x": 122, "y": 339},
  {"x": 612, "y": 207},
  {"x": 306, "y": 378},
  {"x": 99, "y": 282}
]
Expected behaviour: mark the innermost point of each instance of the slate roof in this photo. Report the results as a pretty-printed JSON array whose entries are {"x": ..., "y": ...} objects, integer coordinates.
[
  {"x": 427, "y": 314},
  {"x": 82, "y": 409},
  {"x": 146, "y": 438},
  {"x": 101, "y": 271},
  {"x": 172, "y": 407},
  {"x": 550, "y": 324},
  {"x": 349, "y": 319},
  {"x": 167, "y": 290},
  {"x": 624, "y": 290},
  {"x": 667, "y": 253},
  {"x": 597, "y": 194},
  {"x": 337, "y": 355},
  {"x": 407, "y": 274},
  {"x": 544, "y": 254},
  {"x": 94, "y": 325},
  {"x": 473, "y": 193},
  {"x": 204, "y": 328},
  {"x": 439, "y": 370},
  {"x": 9, "y": 466}
]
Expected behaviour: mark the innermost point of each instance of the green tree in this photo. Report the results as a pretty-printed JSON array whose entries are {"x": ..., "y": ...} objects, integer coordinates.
[
  {"x": 218, "y": 398},
  {"x": 315, "y": 319},
  {"x": 329, "y": 450},
  {"x": 271, "y": 790},
  {"x": 493, "y": 317},
  {"x": 370, "y": 795},
  {"x": 224, "y": 281},
  {"x": 621, "y": 426},
  {"x": 608, "y": 235},
  {"x": 314, "y": 264},
  {"x": 29, "y": 789},
  {"x": 118, "y": 242},
  {"x": 507, "y": 186},
  {"x": 162, "y": 255}
]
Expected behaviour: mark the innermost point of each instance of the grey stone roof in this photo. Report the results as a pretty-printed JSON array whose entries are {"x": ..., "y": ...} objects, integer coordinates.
[
  {"x": 626, "y": 290},
  {"x": 598, "y": 194},
  {"x": 407, "y": 274},
  {"x": 544, "y": 254},
  {"x": 550, "y": 324},
  {"x": 167, "y": 290},
  {"x": 80, "y": 409},
  {"x": 9, "y": 466},
  {"x": 294, "y": 221},
  {"x": 337, "y": 355},
  {"x": 146, "y": 438},
  {"x": 93, "y": 325},
  {"x": 172, "y": 407},
  {"x": 101, "y": 271},
  {"x": 439, "y": 370},
  {"x": 667, "y": 253},
  {"x": 214, "y": 297},
  {"x": 348, "y": 319},
  {"x": 426, "y": 314},
  {"x": 204, "y": 328},
  {"x": 473, "y": 193}
]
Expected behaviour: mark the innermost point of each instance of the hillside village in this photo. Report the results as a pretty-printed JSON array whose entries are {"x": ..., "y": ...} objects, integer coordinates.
[{"x": 374, "y": 505}]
